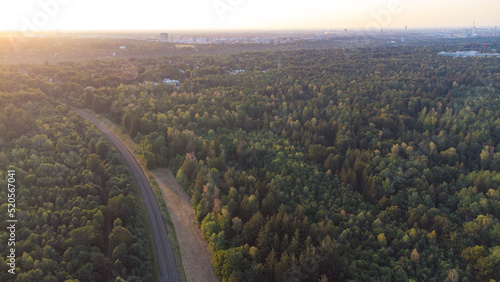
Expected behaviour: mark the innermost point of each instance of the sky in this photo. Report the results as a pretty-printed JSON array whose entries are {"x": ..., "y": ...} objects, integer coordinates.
[{"x": 48, "y": 15}]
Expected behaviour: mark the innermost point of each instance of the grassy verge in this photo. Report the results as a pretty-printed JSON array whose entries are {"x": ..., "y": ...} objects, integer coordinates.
[
  {"x": 156, "y": 271},
  {"x": 170, "y": 227}
]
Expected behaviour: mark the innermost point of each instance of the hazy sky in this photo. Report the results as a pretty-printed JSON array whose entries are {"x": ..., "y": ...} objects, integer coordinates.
[{"x": 243, "y": 14}]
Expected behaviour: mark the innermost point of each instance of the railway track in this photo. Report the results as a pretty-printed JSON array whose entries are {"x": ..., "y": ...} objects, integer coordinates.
[{"x": 164, "y": 252}]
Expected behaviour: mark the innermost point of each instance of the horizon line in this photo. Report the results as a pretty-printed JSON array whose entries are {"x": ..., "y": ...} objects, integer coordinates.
[{"x": 155, "y": 30}]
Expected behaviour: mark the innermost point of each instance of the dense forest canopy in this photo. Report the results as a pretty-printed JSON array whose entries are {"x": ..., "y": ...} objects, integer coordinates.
[
  {"x": 79, "y": 215},
  {"x": 350, "y": 164}
]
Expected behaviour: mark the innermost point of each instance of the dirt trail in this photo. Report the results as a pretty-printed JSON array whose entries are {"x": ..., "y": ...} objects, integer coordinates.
[{"x": 196, "y": 256}]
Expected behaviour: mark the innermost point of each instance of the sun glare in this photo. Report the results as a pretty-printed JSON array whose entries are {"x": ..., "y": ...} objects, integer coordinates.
[{"x": 230, "y": 14}]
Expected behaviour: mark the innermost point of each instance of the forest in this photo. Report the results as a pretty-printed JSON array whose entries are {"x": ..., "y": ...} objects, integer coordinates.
[
  {"x": 79, "y": 211},
  {"x": 346, "y": 164}
]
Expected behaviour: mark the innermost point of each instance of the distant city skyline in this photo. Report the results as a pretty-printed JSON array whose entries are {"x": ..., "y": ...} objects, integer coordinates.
[{"x": 67, "y": 15}]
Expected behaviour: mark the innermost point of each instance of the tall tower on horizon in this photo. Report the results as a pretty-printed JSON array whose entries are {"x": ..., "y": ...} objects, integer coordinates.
[
  {"x": 474, "y": 28},
  {"x": 403, "y": 39}
]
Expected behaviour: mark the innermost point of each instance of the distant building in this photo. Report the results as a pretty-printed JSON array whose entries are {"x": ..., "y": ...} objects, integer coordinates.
[
  {"x": 202, "y": 40},
  {"x": 464, "y": 54},
  {"x": 172, "y": 82},
  {"x": 163, "y": 37},
  {"x": 233, "y": 72},
  {"x": 459, "y": 54}
]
